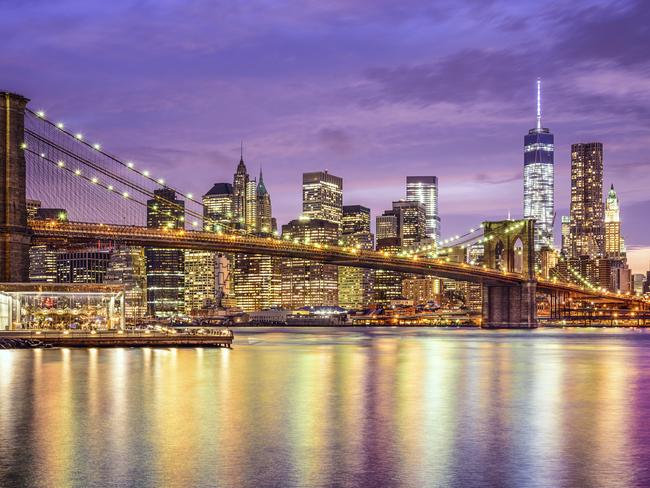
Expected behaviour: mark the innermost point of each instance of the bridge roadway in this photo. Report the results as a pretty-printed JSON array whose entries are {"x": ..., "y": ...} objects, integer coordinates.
[{"x": 340, "y": 256}]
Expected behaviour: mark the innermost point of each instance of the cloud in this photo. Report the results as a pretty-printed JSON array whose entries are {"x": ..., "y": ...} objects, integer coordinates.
[{"x": 336, "y": 140}]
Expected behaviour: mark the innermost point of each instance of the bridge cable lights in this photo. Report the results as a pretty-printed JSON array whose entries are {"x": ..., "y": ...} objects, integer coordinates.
[{"x": 130, "y": 165}]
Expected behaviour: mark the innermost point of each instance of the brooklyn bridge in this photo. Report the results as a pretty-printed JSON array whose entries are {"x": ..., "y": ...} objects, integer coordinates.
[{"x": 105, "y": 196}]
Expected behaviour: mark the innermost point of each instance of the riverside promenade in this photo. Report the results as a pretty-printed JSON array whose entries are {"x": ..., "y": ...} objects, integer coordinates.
[{"x": 124, "y": 338}]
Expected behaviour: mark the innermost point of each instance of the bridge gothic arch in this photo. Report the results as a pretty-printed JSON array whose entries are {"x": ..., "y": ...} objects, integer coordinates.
[{"x": 509, "y": 245}]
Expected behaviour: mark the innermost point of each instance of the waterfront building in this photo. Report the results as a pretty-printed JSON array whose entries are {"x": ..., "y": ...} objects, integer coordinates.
[
  {"x": 421, "y": 291},
  {"x": 613, "y": 244},
  {"x": 587, "y": 224},
  {"x": 387, "y": 284},
  {"x": 539, "y": 178},
  {"x": 322, "y": 196},
  {"x": 127, "y": 267},
  {"x": 218, "y": 208},
  {"x": 355, "y": 284},
  {"x": 165, "y": 267},
  {"x": 200, "y": 291},
  {"x": 82, "y": 265},
  {"x": 42, "y": 263},
  {"x": 257, "y": 281},
  {"x": 424, "y": 189},
  {"x": 251, "y": 221},
  {"x": 305, "y": 282}
]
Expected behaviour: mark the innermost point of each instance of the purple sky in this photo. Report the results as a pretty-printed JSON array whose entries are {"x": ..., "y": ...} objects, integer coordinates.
[{"x": 371, "y": 90}]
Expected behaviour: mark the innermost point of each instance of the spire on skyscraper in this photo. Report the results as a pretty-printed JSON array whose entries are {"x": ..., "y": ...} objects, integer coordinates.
[
  {"x": 241, "y": 167},
  {"x": 539, "y": 104},
  {"x": 261, "y": 188}
]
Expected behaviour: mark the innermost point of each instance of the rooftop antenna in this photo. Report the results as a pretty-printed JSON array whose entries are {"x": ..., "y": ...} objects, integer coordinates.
[
  {"x": 241, "y": 151},
  {"x": 539, "y": 104}
]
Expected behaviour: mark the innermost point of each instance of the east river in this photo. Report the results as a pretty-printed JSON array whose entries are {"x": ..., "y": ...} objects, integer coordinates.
[{"x": 331, "y": 407}]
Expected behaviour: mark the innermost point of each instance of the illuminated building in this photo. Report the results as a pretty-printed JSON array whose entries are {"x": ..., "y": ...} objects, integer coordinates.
[
  {"x": 257, "y": 281},
  {"x": 200, "y": 280},
  {"x": 587, "y": 225},
  {"x": 421, "y": 290},
  {"x": 387, "y": 284},
  {"x": 43, "y": 257},
  {"x": 218, "y": 207},
  {"x": 355, "y": 284},
  {"x": 613, "y": 246},
  {"x": 42, "y": 263},
  {"x": 322, "y": 196},
  {"x": 305, "y": 282},
  {"x": 265, "y": 224},
  {"x": 239, "y": 189},
  {"x": 165, "y": 267},
  {"x": 539, "y": 178},
  {"x": 127, "y": 267},
  {"x": 424, "y": 189},
  {"x": 32, "y": 207},
  {"x": 251, "y": 217},
  {"x": 638, "y": 282},
  {"x": 87, "y": 265},
  {"x": 566, "y": 235},
  {"x": 411, "y": 222},
  {"x": 386, "y": 226}
]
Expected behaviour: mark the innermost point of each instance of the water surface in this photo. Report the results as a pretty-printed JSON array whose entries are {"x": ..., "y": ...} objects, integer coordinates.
[{"x": 324, "y": 407}]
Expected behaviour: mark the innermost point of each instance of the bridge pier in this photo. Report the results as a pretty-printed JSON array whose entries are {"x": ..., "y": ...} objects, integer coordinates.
[
  {"x": 510, "y": 306},
  {"x": 14, "y": 233}
]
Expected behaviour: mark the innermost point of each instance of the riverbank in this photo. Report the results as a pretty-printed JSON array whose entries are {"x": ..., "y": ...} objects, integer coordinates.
[{"x": 120, "y": 338}]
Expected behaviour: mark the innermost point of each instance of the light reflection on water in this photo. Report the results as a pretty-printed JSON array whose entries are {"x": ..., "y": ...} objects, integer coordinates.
[{"x": 318, "y": 407}]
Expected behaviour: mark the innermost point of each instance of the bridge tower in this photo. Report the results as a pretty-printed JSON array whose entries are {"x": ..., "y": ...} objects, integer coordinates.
[
  {"x": 14, "y": 233},
  {"x": 510, "y": 246}
]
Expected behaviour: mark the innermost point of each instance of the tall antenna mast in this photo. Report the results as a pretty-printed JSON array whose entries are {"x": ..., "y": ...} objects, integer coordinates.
[{"x": 539, "y": 104}]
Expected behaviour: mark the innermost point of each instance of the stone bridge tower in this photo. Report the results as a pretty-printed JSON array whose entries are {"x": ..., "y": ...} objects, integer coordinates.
[
  {"x": 14, "y": 233},
  {"x": 510, "y": 246}
]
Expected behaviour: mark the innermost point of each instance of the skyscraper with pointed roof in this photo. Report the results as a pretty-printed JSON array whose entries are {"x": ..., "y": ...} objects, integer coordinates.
[
  {"x": 539, "y": 178},
  {"x": 239, "y": 189},
  {"x": 263, "y": 207}
]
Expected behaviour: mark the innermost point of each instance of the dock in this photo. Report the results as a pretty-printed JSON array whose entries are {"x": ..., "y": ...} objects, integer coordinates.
[{"x": 123, "y": 338}]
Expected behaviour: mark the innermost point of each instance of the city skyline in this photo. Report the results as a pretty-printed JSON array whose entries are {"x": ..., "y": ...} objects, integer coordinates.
[{"x": 398, "y": 110}]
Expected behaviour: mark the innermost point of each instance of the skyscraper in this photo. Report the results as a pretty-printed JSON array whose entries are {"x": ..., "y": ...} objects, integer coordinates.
[
  {"x": 263, "y": 207},
  {"x": 424, "y": 189},
  {"x": 165, "y": 267},
  {"x": 218, "y": 208},
  {"x": 587, "y": 224},
  {"x": 127, "y": 267},
  {"x": 306, "y": 282},
  {"x": 239, "y": 188},
  {"x": 539, "y": 178},
  {"x": 613, "y": 245},
  {"x": 322, "y": 196},
  {"x": 411, "y": 222},
  {"x": 355, "y": 284}
]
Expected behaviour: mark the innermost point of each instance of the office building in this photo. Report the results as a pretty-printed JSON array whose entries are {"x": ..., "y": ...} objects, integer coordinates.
[
  {"x": 421, "y": 290},
  {"x": 82, "y": 265},
  {"x": 257, "y": 281},
  {"x": 613, "y": 244},
  {"x": 355, "y": 284},
  {"x": 200, "y": 291},
  {"x": 264, "y": 218},
  {"x": 386, "y": 226},
  {"x": 539, "y": 178},
  {"x": 239, "y": 188},
  {"x": 127, "y": 267},
  {"x": 218, "y": 208},
  {"x": 587, "y": 223},
  {"x": 322, "y": 196},
  {"x": 387, "y": 284},
  {"x": 306, "y": 282},
  {"x": 424, "y": 189},
  {"x": 411, "y": 222},
  {"x": 165, "y": 267},
  {"x": 566, "y": 235}
]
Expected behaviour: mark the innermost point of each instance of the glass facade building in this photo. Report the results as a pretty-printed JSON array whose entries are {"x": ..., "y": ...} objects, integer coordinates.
[
  {"x": 539, "y": 179},
  {"x": 322, "y": 196},
  {"x": 424, "y": 189}
]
